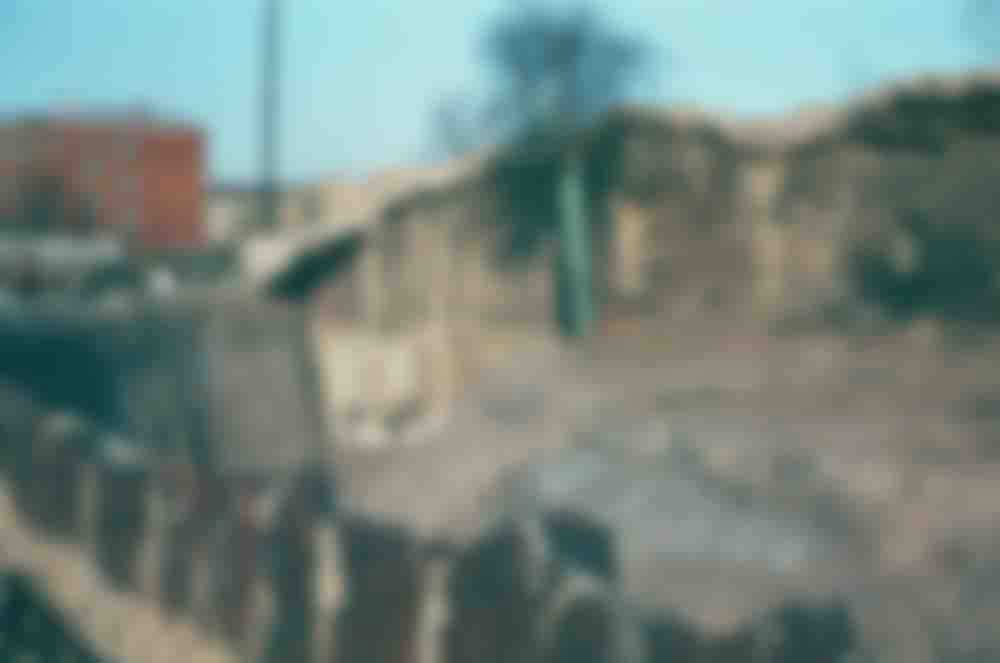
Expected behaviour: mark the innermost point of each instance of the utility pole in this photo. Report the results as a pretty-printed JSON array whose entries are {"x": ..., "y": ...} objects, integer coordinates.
[{"x": 270, "y": 88}]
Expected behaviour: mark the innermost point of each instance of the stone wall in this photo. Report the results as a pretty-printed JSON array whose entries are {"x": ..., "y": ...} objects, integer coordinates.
[
  {"x": 695, "y": 219},
  {"x": 387, "y": 327},
  {"x": 723, "y": 204}
]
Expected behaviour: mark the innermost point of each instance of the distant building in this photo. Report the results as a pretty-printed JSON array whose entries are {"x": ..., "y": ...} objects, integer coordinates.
[{"x": 132, "y": 174}]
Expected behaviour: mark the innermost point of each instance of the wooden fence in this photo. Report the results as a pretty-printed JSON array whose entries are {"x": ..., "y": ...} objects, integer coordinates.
[{"x": 151, "y": 558}]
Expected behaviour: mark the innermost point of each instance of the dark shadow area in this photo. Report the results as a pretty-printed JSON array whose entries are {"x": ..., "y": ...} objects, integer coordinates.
[{"x": 31, "y": 628}]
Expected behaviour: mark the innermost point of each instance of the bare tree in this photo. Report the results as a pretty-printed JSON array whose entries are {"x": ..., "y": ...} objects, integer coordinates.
[
  {"x": 565, "y": 67},
  {"x": 551, "y": 70},
  {"x": 553, "y": 73}
]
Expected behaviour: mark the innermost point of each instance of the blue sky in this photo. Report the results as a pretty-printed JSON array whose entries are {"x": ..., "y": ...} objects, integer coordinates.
[{"x": 361, "y": 77}]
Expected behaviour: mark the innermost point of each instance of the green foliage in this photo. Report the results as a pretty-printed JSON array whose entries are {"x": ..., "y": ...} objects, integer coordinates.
[
  {"x": 563, "y": 66},
  {"x": 526, "y": 197},
  {"x": 552, "y": 74},
  {"x": 954, "y": 278},
  {"x": 928, "y": 123}
]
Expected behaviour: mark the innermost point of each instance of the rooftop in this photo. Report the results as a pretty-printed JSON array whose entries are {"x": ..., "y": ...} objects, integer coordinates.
[{"x": 135, "y": 117}]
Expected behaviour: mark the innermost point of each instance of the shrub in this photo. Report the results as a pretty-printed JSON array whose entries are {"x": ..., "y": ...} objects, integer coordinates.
[{"x": 953, "y": 278}]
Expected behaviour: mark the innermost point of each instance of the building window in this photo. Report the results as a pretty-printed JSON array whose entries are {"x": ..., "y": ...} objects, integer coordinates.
[{"x": 95, "y": 169}]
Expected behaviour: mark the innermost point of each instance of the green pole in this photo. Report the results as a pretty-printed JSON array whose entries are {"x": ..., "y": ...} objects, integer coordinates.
[{"x": 576, "y": 246}]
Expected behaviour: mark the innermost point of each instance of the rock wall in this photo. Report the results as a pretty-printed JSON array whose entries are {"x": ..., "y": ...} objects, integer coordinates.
[{"x": 697, "y": 220}]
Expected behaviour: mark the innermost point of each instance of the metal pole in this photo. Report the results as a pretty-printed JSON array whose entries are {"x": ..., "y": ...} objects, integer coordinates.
[
  {"x": 269, "y": 113},
  {"x": 576, "y": 244}
]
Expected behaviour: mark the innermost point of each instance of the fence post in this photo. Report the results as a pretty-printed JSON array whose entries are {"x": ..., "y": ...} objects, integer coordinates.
[
  {"x": 329, "y": 590},
  {"x": 88, "y": 504},
  {"x": 124, "y": 474}
]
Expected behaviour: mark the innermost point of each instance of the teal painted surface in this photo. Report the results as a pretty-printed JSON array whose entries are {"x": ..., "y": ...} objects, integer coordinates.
[{"x": 574, "y": 231}]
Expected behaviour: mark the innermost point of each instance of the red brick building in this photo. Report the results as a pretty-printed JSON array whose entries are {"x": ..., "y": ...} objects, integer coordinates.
[{"x": 129, "y": 173}]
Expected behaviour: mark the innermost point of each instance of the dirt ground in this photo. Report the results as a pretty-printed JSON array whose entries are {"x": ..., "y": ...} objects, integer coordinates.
[
  {"x": 739, "y": 467},
  {"x": 885, "y": 448}
]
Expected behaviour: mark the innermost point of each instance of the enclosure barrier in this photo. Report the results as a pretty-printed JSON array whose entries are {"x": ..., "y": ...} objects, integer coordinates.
[{"x": 146, "y": 559}]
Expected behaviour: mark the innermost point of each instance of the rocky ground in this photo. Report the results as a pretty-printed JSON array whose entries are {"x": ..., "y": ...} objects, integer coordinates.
[{"x": 739, "y": 467}]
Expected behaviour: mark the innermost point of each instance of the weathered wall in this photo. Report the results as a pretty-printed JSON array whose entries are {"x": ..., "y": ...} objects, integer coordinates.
[
  {"x": 677, "y": 220},
  {"x": 388, "y": 327},
  {"x": 695, "y": 220},
  {"x": 922, "y": 147},
  {"x": 141, "y": 530},
  {"x": 721, "y": 205}
]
